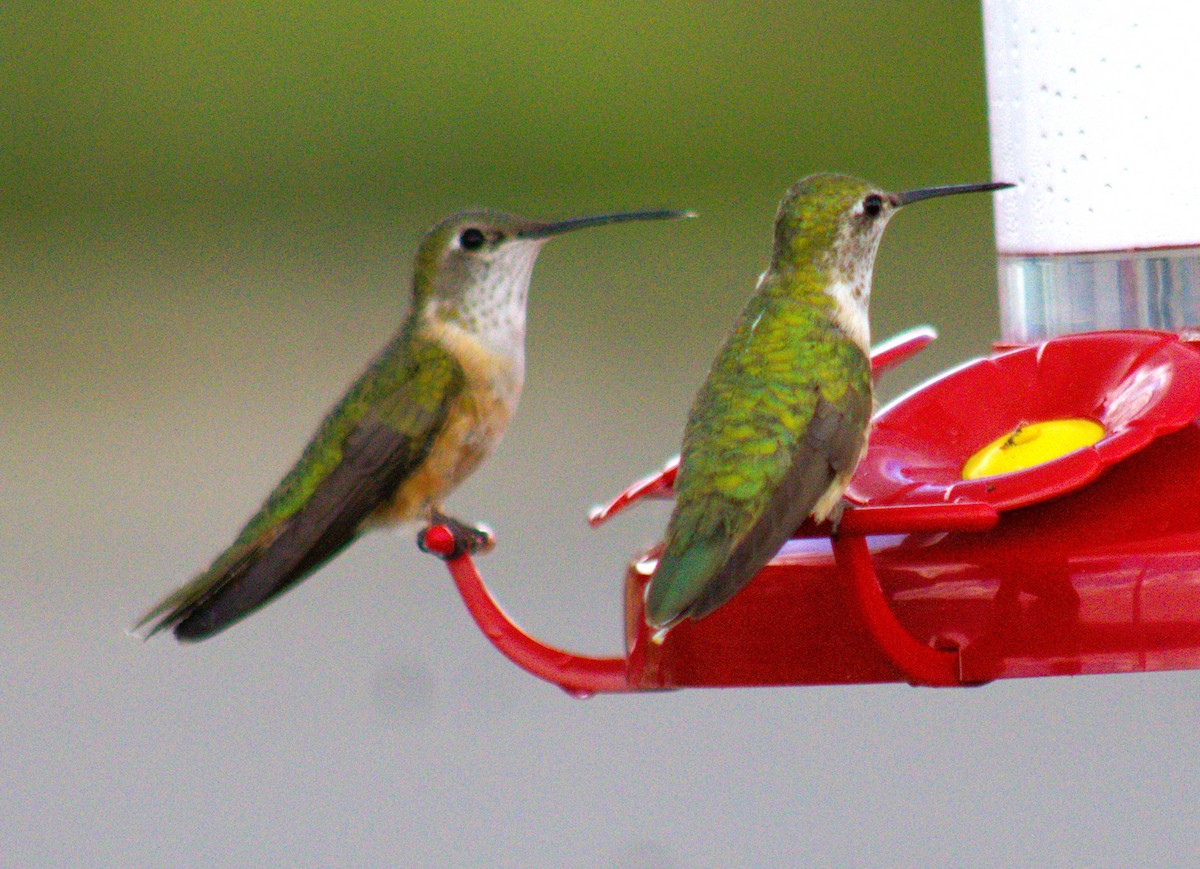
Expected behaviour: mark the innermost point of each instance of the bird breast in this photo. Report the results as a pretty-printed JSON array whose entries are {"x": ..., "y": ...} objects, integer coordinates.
[{"x": 474, "y": 424}]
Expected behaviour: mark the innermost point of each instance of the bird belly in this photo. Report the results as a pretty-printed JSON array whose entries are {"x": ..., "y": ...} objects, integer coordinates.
[
  {"x": 825, "y": 504},
  {"x": 473, "y": 428},
  {"x": 829, "y": 500}
]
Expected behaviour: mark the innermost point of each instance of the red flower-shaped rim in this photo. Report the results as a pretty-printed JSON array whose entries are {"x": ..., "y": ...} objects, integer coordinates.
[{"x": 1138, "y": 385}]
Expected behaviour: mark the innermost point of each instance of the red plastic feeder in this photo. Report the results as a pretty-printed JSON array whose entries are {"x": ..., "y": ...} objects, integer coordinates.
[{"x": 1085, "y": 563}]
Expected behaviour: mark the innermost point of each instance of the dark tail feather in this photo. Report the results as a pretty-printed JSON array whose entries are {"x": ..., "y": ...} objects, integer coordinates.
[
  {"x": 228, "y": 569},
  {"x": 239, "y": 583},
  {"x": 273, "y": 572},
  {"x": 376, "y": 460}
]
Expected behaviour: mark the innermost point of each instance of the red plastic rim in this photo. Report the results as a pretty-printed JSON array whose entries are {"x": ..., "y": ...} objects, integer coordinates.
[{"x": 1138, "y": 385}]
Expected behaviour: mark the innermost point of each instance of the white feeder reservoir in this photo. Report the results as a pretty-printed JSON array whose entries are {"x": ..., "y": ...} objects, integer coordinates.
[{"x": 1086, "y": 116}]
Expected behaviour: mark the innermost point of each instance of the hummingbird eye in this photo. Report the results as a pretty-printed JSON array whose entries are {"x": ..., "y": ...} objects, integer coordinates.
[
  {"x": 472, "y": 239},
  {"x": 872, "y": 205}
]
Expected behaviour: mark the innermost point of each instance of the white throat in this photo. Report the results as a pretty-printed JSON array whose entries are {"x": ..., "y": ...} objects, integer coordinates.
[
  {"x": 491, "y": 309},
  {"x": 850, "y": 268},
  {"x": 852, "y": 295}
]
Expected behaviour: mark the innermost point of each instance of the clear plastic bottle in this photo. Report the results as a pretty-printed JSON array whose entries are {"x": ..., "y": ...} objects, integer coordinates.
[
  {"x": 1089, "y": 115},
  {"x": 1044, "y": 296}
]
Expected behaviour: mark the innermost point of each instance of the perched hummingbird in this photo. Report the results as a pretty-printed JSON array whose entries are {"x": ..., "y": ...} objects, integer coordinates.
[
  {"x": 421, "y": 418},
  {"x": 781, "y": 421}
]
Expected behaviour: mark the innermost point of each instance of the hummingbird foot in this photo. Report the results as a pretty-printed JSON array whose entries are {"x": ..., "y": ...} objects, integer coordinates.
[
  {"x": 835, "y": 516},
  {"x": 464, "y": 538}
]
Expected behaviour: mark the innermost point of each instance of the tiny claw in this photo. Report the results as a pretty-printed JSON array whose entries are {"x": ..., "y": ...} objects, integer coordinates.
[
  {"x": 481, "y": 538},
  {"x": 835, "y": 516}
]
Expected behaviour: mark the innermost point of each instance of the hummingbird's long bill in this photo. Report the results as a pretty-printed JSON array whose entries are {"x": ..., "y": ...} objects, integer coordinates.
[
  {"x": 910, "y": 196},
  {"x": 558, "y": 227}
]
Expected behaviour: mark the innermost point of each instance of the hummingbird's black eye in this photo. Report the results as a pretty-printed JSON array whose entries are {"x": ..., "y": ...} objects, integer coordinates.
[
  {"x": 872, "y": 205},
  {"x": 472, "y": 239}
]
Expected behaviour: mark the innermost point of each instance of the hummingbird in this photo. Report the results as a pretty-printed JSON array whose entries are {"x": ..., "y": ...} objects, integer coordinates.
[
  {"x": 781, "y": 421},
  {"x": 425, "y": 413}
]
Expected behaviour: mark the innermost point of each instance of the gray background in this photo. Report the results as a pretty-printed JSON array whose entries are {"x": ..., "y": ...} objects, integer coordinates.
[{"x": 208, "y": 216}]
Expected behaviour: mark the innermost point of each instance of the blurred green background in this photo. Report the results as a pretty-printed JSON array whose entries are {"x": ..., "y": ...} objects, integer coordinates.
[{"x": 208, "y": 213}]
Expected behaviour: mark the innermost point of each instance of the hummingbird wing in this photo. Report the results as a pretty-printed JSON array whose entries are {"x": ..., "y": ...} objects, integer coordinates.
[
  {"x": 777, "y": 424},
  {"x": 830, "y": 452},
  {"x": 364, "y": 450}
]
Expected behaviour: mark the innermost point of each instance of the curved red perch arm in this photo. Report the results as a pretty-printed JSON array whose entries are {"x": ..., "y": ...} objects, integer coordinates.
[
  {"x": 578, "y": 675},
  {"x": 919, "y": 664}
]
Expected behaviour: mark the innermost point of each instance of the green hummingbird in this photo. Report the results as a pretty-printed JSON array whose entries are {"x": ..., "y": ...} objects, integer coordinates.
[
  {"x": 781, "y": 421},
  {"x": 425, "y": 413}
]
